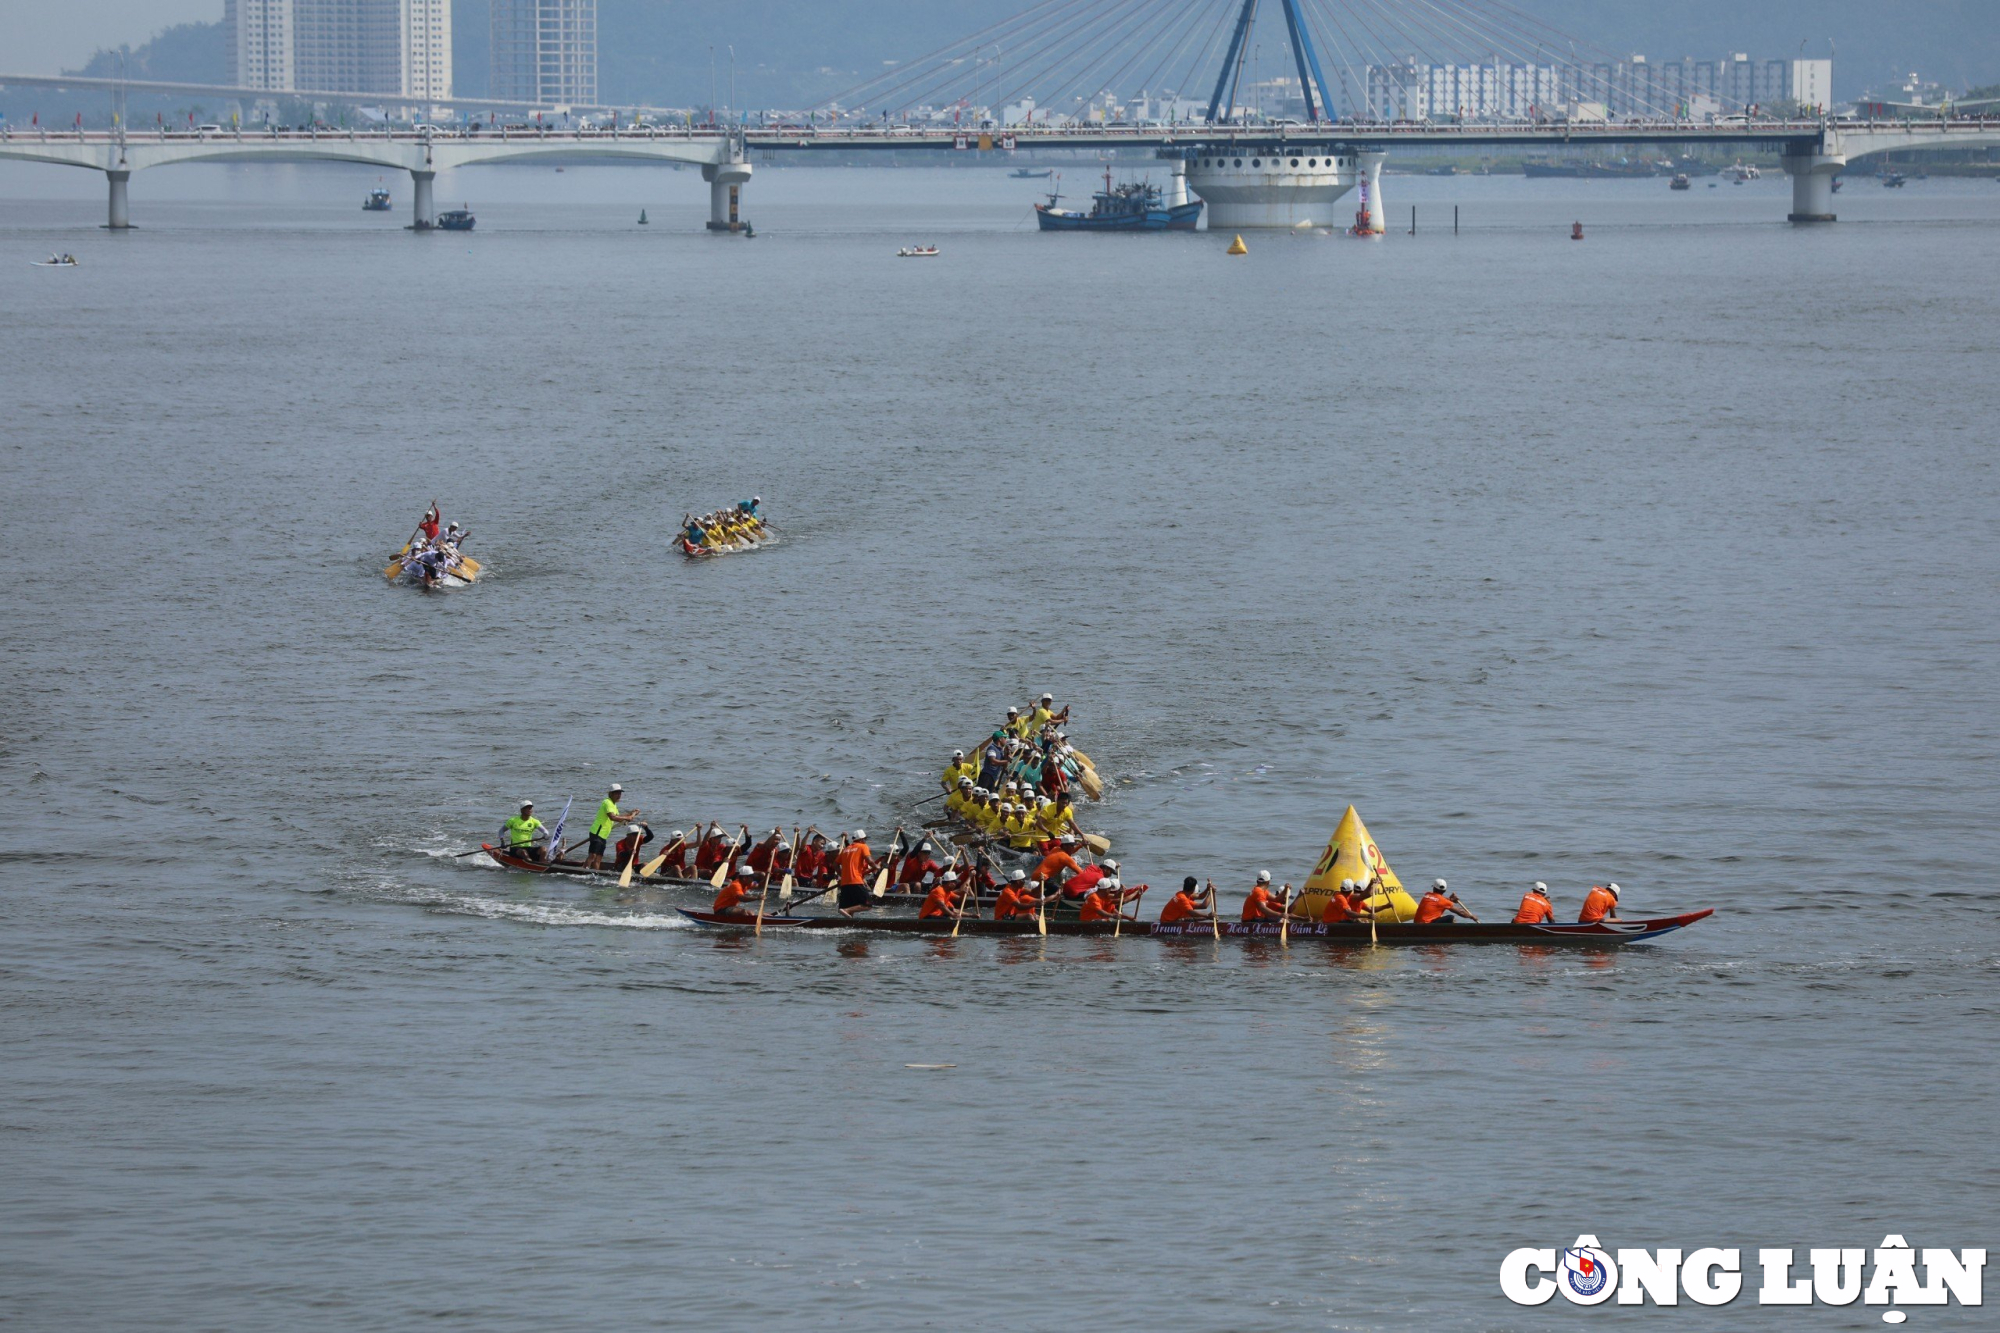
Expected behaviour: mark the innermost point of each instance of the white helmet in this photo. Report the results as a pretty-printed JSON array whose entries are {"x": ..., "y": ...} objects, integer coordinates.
[
  {"x": 1347, "y": 886},
  {"x": 950, "y": 877},
  {"x": 861, "y": 835},
  {"x": 958, "y": 754},
  {"x": 1111, "y": 865},
  {"x": 1611, "y": 889},
  {"x": 1048, "y": 698},
  {"x": 965, "y": 782},
  {"x": 1018, "y": 876},
  {"x": 634, "y": 830},
  {"x": 745, "y": 868},
  {"x": 1541, "y": 887},
  {"x": 1263, "y": 877},
  {"x": 1438, "y": 884},
  {"x": 527, "y": 804},
  {"x": 678, "y": 835}
]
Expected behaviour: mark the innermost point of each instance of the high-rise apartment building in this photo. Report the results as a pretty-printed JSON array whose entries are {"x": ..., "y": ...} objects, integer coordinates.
[
  {"x": 395, "y": 48},
  {"x": 1676, "y": 89},
  {"x": 544, "y": 51},
  {"x": 260, "y": 43}
]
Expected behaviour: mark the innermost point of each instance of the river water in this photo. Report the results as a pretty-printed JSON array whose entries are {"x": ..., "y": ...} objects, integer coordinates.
[{"x": 1669, "y": 557}]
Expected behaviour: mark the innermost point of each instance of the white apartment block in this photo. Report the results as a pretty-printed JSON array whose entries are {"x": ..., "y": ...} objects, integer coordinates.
[
  {"x": 260, "y": 43},
  {"x": 1679, "y": 89},
  {"x": 392, "y": 48},
  {"x": 544, "y": 51}
]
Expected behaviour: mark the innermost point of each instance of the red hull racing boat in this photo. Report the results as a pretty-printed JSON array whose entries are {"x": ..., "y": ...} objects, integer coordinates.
[{"x": 1597, "y": 935}]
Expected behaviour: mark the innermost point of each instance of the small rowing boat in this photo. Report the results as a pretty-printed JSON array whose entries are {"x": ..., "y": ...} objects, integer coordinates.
[
  {"x": 917, "y": 252},
  {"x": 1595, "y": 935}
]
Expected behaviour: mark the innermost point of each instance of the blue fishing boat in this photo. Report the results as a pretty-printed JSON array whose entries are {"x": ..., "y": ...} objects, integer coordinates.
[{"x": 1134, "y": 206}]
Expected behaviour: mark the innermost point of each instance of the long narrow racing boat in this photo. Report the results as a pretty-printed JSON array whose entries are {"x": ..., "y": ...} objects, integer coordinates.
[
  {"x": 1597, "y": 935},
  {"x": 577, "y": 870}
]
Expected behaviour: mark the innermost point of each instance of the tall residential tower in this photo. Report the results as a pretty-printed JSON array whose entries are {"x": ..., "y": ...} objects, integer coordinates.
[
  {"x": 260, "y": 43},
  {"x": 545, "y": 51}
]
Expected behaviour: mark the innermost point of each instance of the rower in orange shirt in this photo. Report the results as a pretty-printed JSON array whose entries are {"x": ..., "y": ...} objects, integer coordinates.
[
  {"x": 1345, "y": 903},
  {"x": 1438, "y": 906},
  {"x": 1185, "y": 905},
  {"x": 1017, "y": 900},
  {"x": 1261, "y": 904},
  {"x": 1058, "y": 863},
  {"x": 740, "y": 886},
  {"x": 1102, "y": 903},
  {"x": 942, "y": 900},
  {"x": 1600, "y": 904},
  {"x": 1536, "y": 909}
]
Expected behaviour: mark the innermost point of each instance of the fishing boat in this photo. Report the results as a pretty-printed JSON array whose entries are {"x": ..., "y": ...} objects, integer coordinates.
[
  {"x": 1134, "y": 206},
  {"x": 376, "y": 202},
  {"x": 1030, "y": 174},
  {"x": 1680, "y": 182},
  {"x": 917, "y": 252},
  {"x": 1595, "y": 935},
  {"x": 1743, "y": 173},
  {"x": 1895, "y": 180},
  {"x": 456, "y": 219}
]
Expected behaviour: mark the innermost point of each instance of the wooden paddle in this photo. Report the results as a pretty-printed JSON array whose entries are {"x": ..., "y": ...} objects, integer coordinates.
[
  {"x": 792, "y": 865},
  {"x": 1285, "y": 921},
  {"x": 882, "y": 877},
  {"x": 965, "y": 895},
  {"x": 769, "y": 866},
  {"x": 1097, "y": 842},
  {"x": 1214, "y": 912}
]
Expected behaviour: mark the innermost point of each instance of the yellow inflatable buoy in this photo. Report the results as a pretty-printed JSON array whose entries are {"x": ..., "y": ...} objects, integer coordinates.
[{"x": 1236, "y": 247}]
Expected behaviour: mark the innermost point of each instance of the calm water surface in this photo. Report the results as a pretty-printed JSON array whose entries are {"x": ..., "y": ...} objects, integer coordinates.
[{"x": 1670, "y": 557}]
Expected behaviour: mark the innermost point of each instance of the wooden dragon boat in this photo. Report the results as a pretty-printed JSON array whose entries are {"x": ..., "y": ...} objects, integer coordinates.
[
  {"x": 1597, "y": 935},
  {"x": 577, "y": 870}
]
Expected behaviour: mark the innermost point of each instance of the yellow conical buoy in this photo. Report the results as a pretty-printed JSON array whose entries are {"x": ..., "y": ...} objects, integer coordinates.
[{"x": 1236, "y": 247}]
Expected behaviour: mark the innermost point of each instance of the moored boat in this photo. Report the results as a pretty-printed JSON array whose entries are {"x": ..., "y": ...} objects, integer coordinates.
[
  {"x": 376, "y": 202},
  {"x": 1593, "y": 935},
  {"x": 1135, "y": 206},
  {"x": 457, "y": 219}
]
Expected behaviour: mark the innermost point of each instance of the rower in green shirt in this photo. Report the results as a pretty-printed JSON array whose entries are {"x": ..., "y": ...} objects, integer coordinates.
[
  {"x": 609, "y": 817},
  {"x": 524, "y": 833}
]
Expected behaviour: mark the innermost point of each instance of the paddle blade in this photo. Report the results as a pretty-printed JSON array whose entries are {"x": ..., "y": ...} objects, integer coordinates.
[
  {"x": 882, "y": 882},
  {"x": 1097, "y": 842},
  {"x": 721, "y": 873},
  {"x": 631, "y": 864},
  {"x": 785, "y": 889},
  {"x": 652, "y": 867}
]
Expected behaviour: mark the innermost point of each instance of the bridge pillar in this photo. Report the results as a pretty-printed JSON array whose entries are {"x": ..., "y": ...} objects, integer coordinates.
[
  {"x": 425, "y": 199},
  {"x": 1812, "y": 185},
  {"x": 1369, "y": 218},
  {"x": 121, "y": 204},
  {"x": 725, "y": 194}
]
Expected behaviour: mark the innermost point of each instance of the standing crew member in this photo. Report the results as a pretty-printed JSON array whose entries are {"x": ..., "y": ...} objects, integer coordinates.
[
  {"x": 1600, "y": 904},
  {"x": 1262, "y": 904},
  {"x": 1536, "y": 909},
  {"x": 855, "y": 862},
  {"x": 429, "y": 524},
  {"x": 1438, "y": 906},
  {"x": 609, "y": 817},
  {"x": 522, "y": 830}
]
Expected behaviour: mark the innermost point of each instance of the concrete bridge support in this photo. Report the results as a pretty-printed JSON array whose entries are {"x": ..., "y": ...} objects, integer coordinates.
[
  {"x": 1370, "y": 218},
  {"x": 725, "y": 195},
  {"x": 121, "y": 203},
  {"x": 1812, "y": 185},
  {"x": 424, "y": 200}
]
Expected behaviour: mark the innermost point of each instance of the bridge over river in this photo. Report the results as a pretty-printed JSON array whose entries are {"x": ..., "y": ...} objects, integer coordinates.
[{"x": 1221, "y": 157}]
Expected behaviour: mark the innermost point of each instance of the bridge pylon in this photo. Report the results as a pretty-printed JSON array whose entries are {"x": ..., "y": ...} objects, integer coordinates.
[
  {"x": 121, "y": 200},
  {"x": 1812, "y": 176}
]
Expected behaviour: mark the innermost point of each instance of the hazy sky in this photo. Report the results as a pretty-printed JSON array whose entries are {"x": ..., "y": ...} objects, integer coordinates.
[{"x": 43, "y": 38}]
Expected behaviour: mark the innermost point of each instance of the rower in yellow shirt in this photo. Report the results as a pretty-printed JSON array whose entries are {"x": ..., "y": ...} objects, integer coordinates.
[
  {"x": 1022, "y": 831},
  {"x": 1059, "y": 816},
  {"x": 959, "y": 803}
]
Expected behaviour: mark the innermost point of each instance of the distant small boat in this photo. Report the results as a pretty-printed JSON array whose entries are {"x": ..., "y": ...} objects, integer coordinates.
[
  {"x": 642, "y": 217},
  {"x": 1895, "y": 180},
  {"x": 917, "y": 252},
  {"x": 1030, "y": 174},
  {"x": 456, "y": 219},
  {"x": 56, "y": 261},
  {"x": 376, "y": 202},
  {"x": 1681, "y": 182},
  {"x": 1743, "y": 172},
  {"x": 1576, "y": 231}
]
